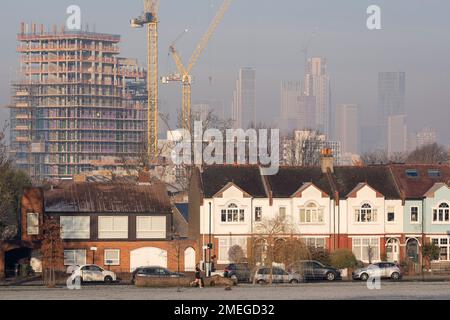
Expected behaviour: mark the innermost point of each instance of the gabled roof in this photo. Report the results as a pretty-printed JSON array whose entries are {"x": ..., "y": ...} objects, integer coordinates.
[
  {"x": 307, "y": 185},
  {"x": 438, "y": 185},
  {"x": 352, "y": 194},
  {"x": 416, "y": 187},
  {"x": 219, "y": 194},
  {"x": 89, "y": 197},
  {"x": 246, "y": 177},
  {"x": 378, "y": 177},
  {"x": 290, "y": 179}
]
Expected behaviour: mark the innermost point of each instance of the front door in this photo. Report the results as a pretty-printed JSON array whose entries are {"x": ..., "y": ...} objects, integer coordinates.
[{"x": 393, "y": 250}]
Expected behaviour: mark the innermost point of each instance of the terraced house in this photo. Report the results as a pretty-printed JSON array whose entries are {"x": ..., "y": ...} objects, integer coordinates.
[{"x": 383, "y": 211}]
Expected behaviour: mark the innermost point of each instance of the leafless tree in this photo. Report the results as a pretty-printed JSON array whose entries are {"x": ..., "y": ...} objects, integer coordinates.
[
  {"x": 304, "y": 150},
  {"x": 236, "y": 254},
  {"x": 52, "y": 250},
  {"x": 428, "y": 154},
  {"x": 270, "y": 233},
  {"x": 375, "y": 157}
]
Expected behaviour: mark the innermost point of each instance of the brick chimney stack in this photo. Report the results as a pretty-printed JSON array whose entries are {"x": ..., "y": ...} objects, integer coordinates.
[{"x": 327, "y": 160}]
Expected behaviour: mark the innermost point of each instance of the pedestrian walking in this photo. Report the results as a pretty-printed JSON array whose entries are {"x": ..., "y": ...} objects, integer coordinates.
[{"x": 198, "y": 277}]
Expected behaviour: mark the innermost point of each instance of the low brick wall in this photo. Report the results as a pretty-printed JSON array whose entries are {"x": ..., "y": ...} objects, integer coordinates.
[{"x": 215, "y": 281}]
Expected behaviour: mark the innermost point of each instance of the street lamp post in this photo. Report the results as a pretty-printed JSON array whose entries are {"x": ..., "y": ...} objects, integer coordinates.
[{"x": 210, "y": 240}]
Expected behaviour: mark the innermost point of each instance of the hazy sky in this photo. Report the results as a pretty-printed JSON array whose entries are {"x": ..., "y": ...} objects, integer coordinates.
[{"x": 269, "y": 35}]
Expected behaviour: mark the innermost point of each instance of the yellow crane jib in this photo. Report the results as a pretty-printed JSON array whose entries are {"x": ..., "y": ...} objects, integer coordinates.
[{"x": 185, "y": 73}]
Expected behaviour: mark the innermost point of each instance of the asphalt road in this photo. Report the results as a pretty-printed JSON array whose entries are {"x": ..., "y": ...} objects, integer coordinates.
[{"x": 320, "y": 291}]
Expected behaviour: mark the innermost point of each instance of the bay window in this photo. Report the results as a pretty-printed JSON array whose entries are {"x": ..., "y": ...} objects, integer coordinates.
[
  {"x": 311, "y": 214},
  {"x": 233, "y": 214},
  {"x": 366, "y": 249},
  {"x": 441, "y": 214}
]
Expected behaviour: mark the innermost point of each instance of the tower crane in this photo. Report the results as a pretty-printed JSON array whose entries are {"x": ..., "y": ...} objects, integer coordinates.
[
  {"x": 185, "y": 72},
  {"x": 149, "y": 18}
]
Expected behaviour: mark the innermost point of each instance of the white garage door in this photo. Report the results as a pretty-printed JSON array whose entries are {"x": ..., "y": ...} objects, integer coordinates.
[
  {"x": 145, "y": 257},
  {"x": 189, "y": 260}
]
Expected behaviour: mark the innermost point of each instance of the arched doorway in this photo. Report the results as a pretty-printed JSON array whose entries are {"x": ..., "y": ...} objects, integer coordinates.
[
  {"x": 393, "y": 250},
  {"x": 189, "y": 260},
  {"x": 145, "y": 257},
  {"x": 412, "y": 249}
]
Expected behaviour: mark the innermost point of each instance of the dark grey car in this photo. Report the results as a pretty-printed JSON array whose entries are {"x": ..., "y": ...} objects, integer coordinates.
[
  {"x": 314, "y": 270},
  {"x": 154, "y": 272}
]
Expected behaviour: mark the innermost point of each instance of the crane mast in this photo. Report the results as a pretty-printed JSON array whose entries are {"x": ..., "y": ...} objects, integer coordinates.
[{"x": 150, "y": 19}]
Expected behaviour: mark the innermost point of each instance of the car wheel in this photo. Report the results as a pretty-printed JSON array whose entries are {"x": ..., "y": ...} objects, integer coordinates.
[
  {"x": 294, "y": 281},
  {"x": 331, "y": 276},
  {"x": 395, "y": 276},
  {"x": 261, "y": 282},
  {"x": 364, "y": 277},
  {"x": 108, "y": 279}
]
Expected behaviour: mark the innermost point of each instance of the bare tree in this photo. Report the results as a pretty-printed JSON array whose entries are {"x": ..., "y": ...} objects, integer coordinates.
[
  {"x": 236, "y": 254},
  {"x": 428, "y": 154},
  {"x": 375, "y": 157},
  {"x": 303, "y": 148},
  {"x": 52, "y": 250},
  {"x": 271, "y": 232}
]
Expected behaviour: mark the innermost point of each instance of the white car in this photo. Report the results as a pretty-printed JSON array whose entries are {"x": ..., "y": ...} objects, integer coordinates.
[{"x": 93, "y": 273}]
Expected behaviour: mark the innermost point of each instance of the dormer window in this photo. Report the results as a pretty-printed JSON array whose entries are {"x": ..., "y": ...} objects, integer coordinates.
[{"x": 233, "y": 214}]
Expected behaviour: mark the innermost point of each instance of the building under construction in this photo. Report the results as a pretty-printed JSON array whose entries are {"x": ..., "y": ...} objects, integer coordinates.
[{"x": 75, "y": 103}]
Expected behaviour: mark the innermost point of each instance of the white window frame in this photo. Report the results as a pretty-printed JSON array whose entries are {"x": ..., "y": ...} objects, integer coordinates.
[
  {"x": 284, "y": 208},
  {"x": 441, "y": 245},
  {"x": 366, "y": 209},
  {"x": 258, "y": 213},
  {"x": 114, "y": 233},
  {"x": 32, "y": 229},
  {"x": 418, "y": 215},
  {"x": 445, "y": 212},
  {"x": 115, "y": 262},
  {"x": 83, "y": 252},
  {"x": 75, "y": 234},
  {"x": 361, "y": 246},
  {"x": 142, "y": 233},
  {"x": 391, "y": 210},
  {"x": 315, "y": 241},
  {"x": 226, "y": 243},
  {"x": 315, "y": 213},
  {"x": 230, "y": 212}
]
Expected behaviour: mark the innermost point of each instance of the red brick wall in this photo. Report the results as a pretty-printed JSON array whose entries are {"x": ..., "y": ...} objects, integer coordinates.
[{"x": 125, "y": 252}]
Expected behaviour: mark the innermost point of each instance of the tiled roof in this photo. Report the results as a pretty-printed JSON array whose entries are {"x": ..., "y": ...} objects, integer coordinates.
[
  {"x": 416, "y": 187},
  {"x": 107, "y": 198},
  {"x": 290, "y": 179},
  {"x": 246, "y": 177},
  {"x": 378, "y": 177}
]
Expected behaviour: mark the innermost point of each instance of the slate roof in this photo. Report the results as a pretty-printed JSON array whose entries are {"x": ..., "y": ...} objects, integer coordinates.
[
  {"x": 290, "y": 179},
  {"x": 415, "y": 188},
  {"x": 378, "y": 177},
  {"x": 91, "y": 197},
  {"x": 246, "y": 177}
]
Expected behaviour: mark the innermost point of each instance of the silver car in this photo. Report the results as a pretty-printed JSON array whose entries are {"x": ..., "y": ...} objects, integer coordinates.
[
  {"x": 262, "y": 276},
  {"x": 384, "y": 270}
]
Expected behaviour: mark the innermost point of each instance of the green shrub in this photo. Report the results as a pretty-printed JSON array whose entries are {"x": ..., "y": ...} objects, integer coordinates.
[{"x": 343, "y": 258}]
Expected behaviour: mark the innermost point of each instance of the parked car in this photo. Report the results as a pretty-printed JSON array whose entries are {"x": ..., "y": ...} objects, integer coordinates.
[
  {"x": 93, "y": 273},
  {"x": 314, "y": 270},
  {"x": 262, "y": 276},
  {"x": 382, "y": 269},
  {"x": 238, "y": 271},
  {"x": 154, "y": 272}
]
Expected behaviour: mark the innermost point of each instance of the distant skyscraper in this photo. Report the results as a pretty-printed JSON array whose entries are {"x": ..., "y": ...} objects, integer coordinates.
[
  {"x": 391, "y": 101},
  {"x": 317, "y": 84},
  {"x": 244, "y": 99},
  {"x": 297, "y": 110},
  {"x": 397, "y": 135},
  {"x": 426, "y": 136},
  {"x": 347, "y": 128}
]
